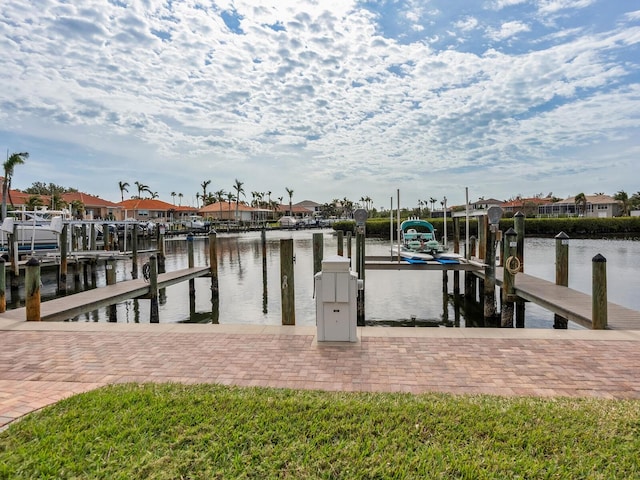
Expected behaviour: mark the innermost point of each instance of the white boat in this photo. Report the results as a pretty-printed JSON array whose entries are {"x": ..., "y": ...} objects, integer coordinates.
[
  {"x": 418, "y": 243},
  {"x": 34, "y": 230}
]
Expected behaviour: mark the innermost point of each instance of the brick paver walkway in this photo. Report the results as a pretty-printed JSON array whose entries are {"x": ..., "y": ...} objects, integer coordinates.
[{"x": 41, "y": 364}]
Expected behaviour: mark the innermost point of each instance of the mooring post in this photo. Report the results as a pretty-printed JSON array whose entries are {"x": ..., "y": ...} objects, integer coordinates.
[
  {"x": 483, "y": 228},
  {"x": 64, "y": 266},
  {"x": 360, "y": 267},
  {"x": 318, "y": 253},
  {"x": 511, "y": 268},
  {"x": 3, "y": 286},
  {"x": 349, "y": 235},
  {"x": 445, "y": 297},
  {"x": 213, "y": 265},
  {"x": 154, "y": 315},
  {"x": 562, "y": 273},
  {"x": 599, "y": 311},
  {"x": 191, "y": 263},
  {"x": 518, "y": 225},
  {"x": 110, "y": 270},
  {"x": 340, "y": 242},
  {"x": 490, "y": 277},
  {"x": 13, "y": 255},
  {"x": 85, "y": 237},
  {"x": 469, "y": 276},
  {"x": 287, "y": 282},
  {"x": 456, "y": 249},
  {"x": 92, "y": 232},
  {"x": 106, "y": 237},
  {"x": 134, "y": 255},
  {"x": 32, "y": 289}
]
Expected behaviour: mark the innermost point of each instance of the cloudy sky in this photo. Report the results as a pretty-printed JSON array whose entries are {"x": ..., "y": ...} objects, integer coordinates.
[{"x": 329, "y": 98}]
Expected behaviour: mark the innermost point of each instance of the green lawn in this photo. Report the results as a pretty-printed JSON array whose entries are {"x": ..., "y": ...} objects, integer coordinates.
[{"x": 171, "y": 431}]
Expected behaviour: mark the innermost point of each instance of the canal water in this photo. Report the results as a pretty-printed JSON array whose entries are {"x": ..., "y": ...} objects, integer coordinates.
[{"x": 392, "y": 297}]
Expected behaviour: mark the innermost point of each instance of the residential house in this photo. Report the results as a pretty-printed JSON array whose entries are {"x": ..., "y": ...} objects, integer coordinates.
[
  {"x": 313, "y": 208},
  {"x": 150, "y": 209},
  {"x": 601, "y": 206},
  {"x": 226, "y": 212},
  {"x": 94, "y": 207},
  {"x": 484, "y": 204},
  {"x": 528, "y": 206}
]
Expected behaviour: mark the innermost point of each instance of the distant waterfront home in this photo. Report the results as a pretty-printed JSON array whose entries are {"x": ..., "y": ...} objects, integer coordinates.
[
  {"x": 484, "y": 204},
  {"x": 147, "y": 209},
  {"x": 226, "y": 212},
  {"x": 94, "y": 207},
  {"x": 600, "y": 206},
  {"x": 527, "y": 206}
]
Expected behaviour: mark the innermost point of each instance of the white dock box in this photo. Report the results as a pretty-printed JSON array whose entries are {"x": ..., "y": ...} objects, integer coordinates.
[{"x": 336, "y": 301}]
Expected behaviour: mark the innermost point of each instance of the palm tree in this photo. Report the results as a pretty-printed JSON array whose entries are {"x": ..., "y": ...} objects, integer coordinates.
[
  {"x": 219, "y": 196},
  {"x": 623, "y": 198},
  {"x": 197, "y": 199},
  {"x": 239, "y": 190},
  {"x": 290, "y": 193},
  {"x": 230, "y": 198},
  {"x": 433, "y": 204},
  {"x": 173, "y": 196},
  {"x": 204, "y": 186},
  {"x": 141, "y": 188},
  {"x": 34, "y": 201},
  {"x": 581, "y": 203},
  {"x": 123, "y": 188},
  {"x": 180, "y": 199},
  {"x": 9, "y": 165}
]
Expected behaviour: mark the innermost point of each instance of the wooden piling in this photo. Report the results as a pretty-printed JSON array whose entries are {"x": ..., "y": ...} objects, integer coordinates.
[
  {"x": 456, "y": 249},
  {"x": 64, "y": 265},
  {"x": 14, "y": 274},
  {"x": 92, "y": 232},
  {"x": 154, "y": 314},
  {"x": 360, "y": 267},
  {"x": 518, "y": 226},
  {"x": 599, "y": 293},
  {"x": 3, "y": 285},
  {"x": 191, "y": 263},
  {"x": 318, "y": 253},
  {"x": 340, "y": 237},
  {"x": 32, "y": 289},
  {"x": 562, "y": 273},
  {"x": 349, "y": 235},
  {"x": 469, "y": 277},
  {"x": 287, "y": 282},
  {"x": 489, "y": 293},
  {"x": 85, "y": 237},
  {"x": 134, "y": 255},
  {"x": 483, "y": 230},
  {"x": 213, "y": 264},
  {"x": 508, "y": 278},
  {"x": 110, "y": 270},
  {"x": 106, "y": 237}
]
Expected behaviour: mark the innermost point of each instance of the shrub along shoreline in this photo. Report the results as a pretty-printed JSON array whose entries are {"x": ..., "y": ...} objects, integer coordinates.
[{"x": 574, "y": 227}]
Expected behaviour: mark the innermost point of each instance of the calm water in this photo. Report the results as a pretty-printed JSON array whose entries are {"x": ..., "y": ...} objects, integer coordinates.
[{"x": 390, "y": 295}]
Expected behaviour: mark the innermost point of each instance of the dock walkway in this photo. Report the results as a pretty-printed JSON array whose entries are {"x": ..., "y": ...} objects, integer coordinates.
[
  {"x": 571, "y": 304},
  {"x": 64, "y": 308}
]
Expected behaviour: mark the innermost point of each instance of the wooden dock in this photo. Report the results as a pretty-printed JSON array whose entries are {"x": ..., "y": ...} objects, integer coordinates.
[
  {"x": 64, "y": 308},
  {"x": 568, "y": 303},
  {"x": 387, "y": 263}
]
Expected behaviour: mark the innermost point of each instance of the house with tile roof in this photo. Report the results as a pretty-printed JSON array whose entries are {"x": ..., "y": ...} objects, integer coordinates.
[
  {"x": 226, "y": 212},
  {"x": 600, "y": 206},
  {"x": 528, "y": 206},
  {"x": 95, "y": 208},
  {"x": 153, "y": 210}
]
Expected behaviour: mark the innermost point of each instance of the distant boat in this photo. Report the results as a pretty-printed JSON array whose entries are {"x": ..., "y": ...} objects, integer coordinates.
[
  {"x": 418, "y": 242},
  {"x": 34, "y": 230}
]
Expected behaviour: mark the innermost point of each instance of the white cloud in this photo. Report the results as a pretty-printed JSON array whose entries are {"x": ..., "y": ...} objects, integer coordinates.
[
  {"x": 309, "y": 96},
  {"x": 507, "y": 29}
]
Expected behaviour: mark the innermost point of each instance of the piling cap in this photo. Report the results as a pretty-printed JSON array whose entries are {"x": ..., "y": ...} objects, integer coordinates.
[
  {"x": 519, "y": 214},
  {"x": 562, "y": 235},
  {"x": 511, "y": 231},
  {"x": 598, "y": 258},
  {"x": 33, "y": 262}
]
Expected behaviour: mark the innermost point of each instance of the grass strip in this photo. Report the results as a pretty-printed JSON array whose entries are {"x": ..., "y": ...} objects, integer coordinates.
[{"x": 173, "y": 431}]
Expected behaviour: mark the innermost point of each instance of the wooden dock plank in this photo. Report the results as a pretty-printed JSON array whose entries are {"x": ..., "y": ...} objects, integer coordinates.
[
  {"x": 67, "y": 307},
  {"x": 571, "y": 304}
]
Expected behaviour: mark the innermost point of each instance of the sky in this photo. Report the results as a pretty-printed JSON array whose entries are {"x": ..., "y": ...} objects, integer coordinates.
[{"x": 328, "y": 98}]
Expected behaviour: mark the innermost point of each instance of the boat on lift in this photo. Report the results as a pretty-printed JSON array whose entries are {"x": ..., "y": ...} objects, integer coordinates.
[
  {"x": 33, "y": 230},
  {"x": 418, "y": 242}
]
